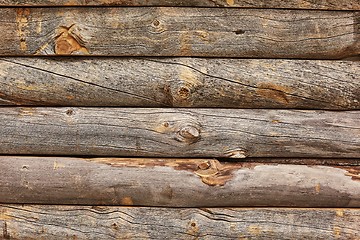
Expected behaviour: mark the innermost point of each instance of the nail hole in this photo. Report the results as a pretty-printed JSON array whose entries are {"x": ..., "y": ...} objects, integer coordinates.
[
  {"x": 193, "y": 224},
  {"x": 115, "y": 226},
  {"x": 166, "y": 124},
  {"x": 69, "y": 112},
  {"x": 238, "y": 32}
]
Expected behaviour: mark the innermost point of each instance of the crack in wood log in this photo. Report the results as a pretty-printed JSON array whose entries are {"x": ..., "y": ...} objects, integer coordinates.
[
  {"x": 41, "y": 221},
  {"x": 181, "y": 83},
  {"x": 81, "y": 81},
  {"x": 267, "y": 90}
]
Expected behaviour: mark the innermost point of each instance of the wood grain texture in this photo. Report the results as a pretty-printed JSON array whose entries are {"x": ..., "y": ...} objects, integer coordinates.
[
  {"x": 156, "y": 132},
  {"x": 176, "y": 182},
  {"x": 80, "y": 222},
  {"x": 161, "y": 31},
  {"x": 295, "y": 4},
  {"x": 180, "y": 82}
]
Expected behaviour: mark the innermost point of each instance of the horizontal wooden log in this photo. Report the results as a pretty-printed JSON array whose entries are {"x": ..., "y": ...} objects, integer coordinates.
[
  {"x": 180, "y": 82},
  {"x": 161, "y": 31},
  {"x": 159, "y": 132},
  {"x": 80, "y": 222},
  {"x": 346, "y": 162},
  {"x": 295, "y": 4},
  {"x": 176, "y": 182}
]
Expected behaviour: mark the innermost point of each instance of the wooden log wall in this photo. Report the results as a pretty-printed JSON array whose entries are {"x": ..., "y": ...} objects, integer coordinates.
[{"x": 158, "y": 119}]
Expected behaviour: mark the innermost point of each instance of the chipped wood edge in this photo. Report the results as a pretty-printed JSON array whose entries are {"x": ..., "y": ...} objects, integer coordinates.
[{"x": 172, "y": 182}]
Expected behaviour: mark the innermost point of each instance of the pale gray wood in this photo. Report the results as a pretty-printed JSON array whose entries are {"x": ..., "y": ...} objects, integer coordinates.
[
  {"x": 176, "y": 182},
  {"x": 161, "y": 31},
  {"x": 346, "y": 162},
  {"x": 161, "y": 132},
  {"x": 180, "y": 82},
  {"x": 296, "y": 4},
  {"x": 80, "y": 222}
]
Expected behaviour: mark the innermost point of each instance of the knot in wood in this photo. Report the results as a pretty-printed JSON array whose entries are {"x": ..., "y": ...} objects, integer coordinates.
[
  {"x": 204, "y": 165},
  {"x": 189, "y": 134},
  {"x": 157, "y": 27},
  {"x": 208, "y": 169},
  {"x": 184, "y": 92},
  {"x": 64, "y": 46},
  {"x": 155, "y": 23},
  {"x": 67, "y": 42},
  {"x": 215, "y": 174},
  {"x": 236, "y": 153}
]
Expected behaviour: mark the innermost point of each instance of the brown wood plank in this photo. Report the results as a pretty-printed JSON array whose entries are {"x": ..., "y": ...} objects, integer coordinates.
[
  {"x": 80, "y": 222},
  {"x": 161, "y": 31},
  {"x": 295, "y": 4},
  {"x": 174, "y": 182},
  {"x": 159, "y": 132},
  {"x": 180, "y": 82}
]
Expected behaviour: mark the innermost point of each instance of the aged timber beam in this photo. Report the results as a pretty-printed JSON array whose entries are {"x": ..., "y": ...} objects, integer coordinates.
[
  {"x": 180, "y": 82},
  {"x": 295, "y": 4},
  {"x": 168, "y": 132},
  {"x": 176, "y": 182},
  {"x": 100, "y": 222},
  {"x": 161, "y": 31}
]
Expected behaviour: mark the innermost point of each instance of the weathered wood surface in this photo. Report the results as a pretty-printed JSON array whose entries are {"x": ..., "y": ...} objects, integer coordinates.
[
  {"x": 157, "y": 132},
  {"x": 176, "y": 182},
  {"x": 152, "y": 31},
  {"x": 180, "y": 82},
  {"x": 295, "y": 4},
  {"x": 81, "y": 222},
  {"x": 346, "y": 162}
]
